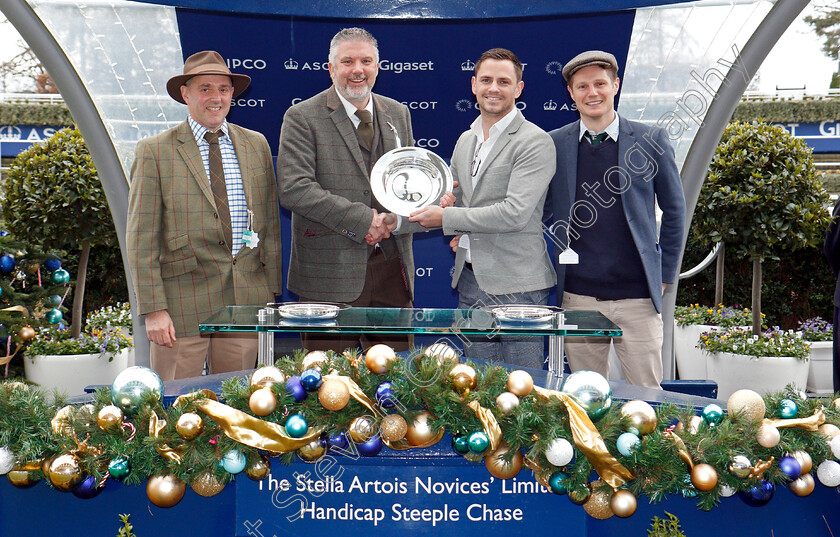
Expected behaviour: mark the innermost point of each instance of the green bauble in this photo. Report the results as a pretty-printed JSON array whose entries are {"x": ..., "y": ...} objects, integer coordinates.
[
  {"x": 558, "y": 482},
  {"x": 132, "y": 385},
  {"x": 54, "y": 316},
  {"x": 460, "y": 444},
  {"x": 712, "y": 414},
  {"x": 118, "y": 468},
  {"x": 55, "y": 300},
  {"x": 60, "y": 277},
  {"x": 591, "y": 390},
  {"x": 478, "y": 442}
]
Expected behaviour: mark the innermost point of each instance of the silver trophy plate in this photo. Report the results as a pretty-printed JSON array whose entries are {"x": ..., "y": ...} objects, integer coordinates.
[
  {"x": 525, "y": 313},
  {"x": 409, "y": 178},
  {"x": 309, "y": 311}
]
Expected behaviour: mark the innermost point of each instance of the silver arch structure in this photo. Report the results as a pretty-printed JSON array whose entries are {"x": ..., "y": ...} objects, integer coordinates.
[
  {"x": 702, "y": 148},
  {"x": 90, "y": 124}
]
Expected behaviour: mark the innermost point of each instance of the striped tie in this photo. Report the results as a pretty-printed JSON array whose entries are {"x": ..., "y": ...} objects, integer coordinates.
[{"x": 217, "y": 185}]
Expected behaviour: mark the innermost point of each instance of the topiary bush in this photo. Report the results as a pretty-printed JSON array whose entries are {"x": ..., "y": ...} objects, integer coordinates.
[
  {"x": 762, "y": 198},
  {"x": 54, "y": 199}
]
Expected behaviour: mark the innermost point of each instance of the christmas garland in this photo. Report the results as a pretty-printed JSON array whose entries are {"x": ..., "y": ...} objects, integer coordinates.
[{"x": 204, "y": 439}]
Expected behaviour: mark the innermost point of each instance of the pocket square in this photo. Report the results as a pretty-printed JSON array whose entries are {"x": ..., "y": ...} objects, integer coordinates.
[{"x": 309, "y": 233}]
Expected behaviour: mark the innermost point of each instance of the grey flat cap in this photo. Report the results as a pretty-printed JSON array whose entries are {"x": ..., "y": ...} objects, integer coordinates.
[{"x": 585, "y": 59}]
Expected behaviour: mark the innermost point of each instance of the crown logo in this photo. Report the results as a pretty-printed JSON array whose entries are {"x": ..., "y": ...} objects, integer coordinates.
[
  {"x": 468, "y": 65},
  {"x": 550, "y": 105},
  {"x": 290, "y": 64},
  {"x": 10, "y": 132}
]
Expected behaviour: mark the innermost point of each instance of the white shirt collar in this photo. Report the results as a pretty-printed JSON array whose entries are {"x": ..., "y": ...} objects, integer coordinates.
[
  {"x": 498, "y": 127},
  {"x": 351, "y": 108},
  {"x": 611, "y": 130}
]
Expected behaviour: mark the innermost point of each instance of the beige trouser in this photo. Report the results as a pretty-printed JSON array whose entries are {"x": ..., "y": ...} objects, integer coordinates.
[
  {"x": 223, "y": 353},
  {"x": 639, "y": 349}
]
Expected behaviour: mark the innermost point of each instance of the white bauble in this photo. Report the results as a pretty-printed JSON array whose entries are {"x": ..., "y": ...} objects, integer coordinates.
[{"x": 559, "y": 452}]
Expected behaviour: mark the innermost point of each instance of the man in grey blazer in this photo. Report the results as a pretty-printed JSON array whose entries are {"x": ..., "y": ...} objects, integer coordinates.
[
  {"x": 503, "y": 165},
  {"x": 612, "y": 173},
  {"x": 342, "y": 248}
]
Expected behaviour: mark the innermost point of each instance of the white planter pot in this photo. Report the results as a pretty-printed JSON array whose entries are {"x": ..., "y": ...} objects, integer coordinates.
[
  {"x": 821, "y": 368},
  {"x": 70, "y": 374},
  {"x": 691, "y": 361},
  {"x": 733, "y": 372}
]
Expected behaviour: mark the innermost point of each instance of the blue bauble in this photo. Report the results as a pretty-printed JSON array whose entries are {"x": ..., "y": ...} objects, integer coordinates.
[
  {"x": 52, "y": 264},
  {"x": 296, "y": 426},
  {"x": 478, "y": 442},
  {"x": 1, "y": 290},
  {"x": 88, "y": 488},
  {"x": 233, "y": 462},
  {"x": 55, "y": 300},
  {"x": 758, "y": 495},
  {"x": 54, "y": 316},
  {"x": 688, "y": 490},
  {"x": 627, "y": 443},
  {"x": 119, "y": 468},
  {"x": 787, "y": 409},
  {"x": 557, "y": 482},
  {"x": 7, "y": 263},
  {"x": 294, "y": 388},
  {"x": 712, "y": 414},
  {"x": 385, "y": 395},
  {"x": 371, "y": 448},
  {"x": 790, "y": 467},
  {"x": 311, "y": 380},
  {"x": 460, "y": 444},
  {"x": 60, "y": 277},
  {"x": 338, "y": 441},
  {"x": 133, "y": 385}
]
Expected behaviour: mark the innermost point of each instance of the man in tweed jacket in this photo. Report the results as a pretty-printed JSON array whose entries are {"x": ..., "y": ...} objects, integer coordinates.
[
  {"x": 185, "y": 237},
  {"x": 342, "y": 250}
]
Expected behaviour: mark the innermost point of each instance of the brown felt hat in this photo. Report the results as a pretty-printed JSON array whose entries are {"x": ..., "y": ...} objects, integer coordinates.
[
  {"x": 206, "y": 62},
  {"x": 585, "y": 59}
]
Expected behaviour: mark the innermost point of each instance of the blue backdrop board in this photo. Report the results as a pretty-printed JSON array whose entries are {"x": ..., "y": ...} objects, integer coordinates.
[{"x": 822, "y": 137}]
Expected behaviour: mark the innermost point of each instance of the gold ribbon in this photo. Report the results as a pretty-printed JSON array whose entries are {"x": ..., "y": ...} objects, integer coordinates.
[
  {"x": 681, "y": 449},
  {"x": 488, "y": 420},
  {"x": 251, "y": 431},
  {"x": 539, "y": 473},
  {"x": 811, "y": 423},
  {"x": 156, "y": 426},
  {"x": 589, "y": 441}
]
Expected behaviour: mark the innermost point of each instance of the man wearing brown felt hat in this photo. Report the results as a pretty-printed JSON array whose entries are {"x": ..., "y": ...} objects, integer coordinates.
[{"x": 203, "y": 225}]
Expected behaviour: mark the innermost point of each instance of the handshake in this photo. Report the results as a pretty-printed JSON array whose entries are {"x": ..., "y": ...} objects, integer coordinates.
[{"x": 384, "y": 223}]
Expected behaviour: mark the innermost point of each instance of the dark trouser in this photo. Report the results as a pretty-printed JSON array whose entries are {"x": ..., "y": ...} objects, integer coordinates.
[
  {"x": 836, "y": 348},
  {"x": 386, "y": 286}
]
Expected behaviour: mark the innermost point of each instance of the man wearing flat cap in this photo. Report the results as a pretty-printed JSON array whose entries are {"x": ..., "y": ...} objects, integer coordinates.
[
  {"x": 611, "y": 175},
  {"x": 203, "y": 225}
]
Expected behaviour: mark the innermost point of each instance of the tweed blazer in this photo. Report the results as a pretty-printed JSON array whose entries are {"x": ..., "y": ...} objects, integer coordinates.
[
  {"x": 501, "y": 210},
  {"x": 175, "y": 241},
  {"x": 324, "y": 182},
  {"x": 648, "y": 177}
]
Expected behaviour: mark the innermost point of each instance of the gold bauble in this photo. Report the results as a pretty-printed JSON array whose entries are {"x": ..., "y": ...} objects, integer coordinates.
[
  {"x": 265, "y": 376},
  {"x": 836, "y": 403},
  {"x": 258, "y": 468},
  {"x": 165, "y": 490},
  {"x": 740, "y": 466},
  {"x": 22, "y": 478},
  {"x": 506, "y": 402},
  {"x": 361, "y": 429},
  {"x": 314, "y": 360},
  {"x": 443, "y": 354},
  {"x": 45, "y": 465},
  {"x": 419, "y": 429},
  {"x": 189, "y": 425},
  {"x": 26, "y": 333},
  {"x": 704, "y": 477},
  {"x": 499, "y": 467},
  {"x": 746, "y": 404},
  {"x": 520, "y": 383},
  {"x": 623, "y": 503},
  {"x": 463, "y": 378},
  {"x": 803, "y": 485},
  {"x": 207, "y": 484},
  {"x": 62, "y": 422},
  {"x": 598, "y": 504},
  {"x": 379, "y": 358},
  {"x": 312, "y": 451},
  {"x": 65, "y": 472},
  {"x": 333, "y": 394},
  {"x": 804, "y": 460},
  {"x": 829, "y": 430},
  {"x": 109, "y": 417},
  {"x": 767, "y": 436},
  {"x": 694, "y": 424},
  {"x": 639, "y": 415},
  {"x": 393, "y": 428},
  {"x": 262, "y": 402}
]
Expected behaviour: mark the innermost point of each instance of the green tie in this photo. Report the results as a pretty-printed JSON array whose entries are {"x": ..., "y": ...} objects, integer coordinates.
[
  {"x": 597, "y": 139},
  {"x": 365, "y": 127},
  {"x": 217, "y": 185}
]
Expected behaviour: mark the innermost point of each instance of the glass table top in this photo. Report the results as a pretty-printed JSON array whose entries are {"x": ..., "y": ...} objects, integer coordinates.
[{"x": 409, "y": 321}]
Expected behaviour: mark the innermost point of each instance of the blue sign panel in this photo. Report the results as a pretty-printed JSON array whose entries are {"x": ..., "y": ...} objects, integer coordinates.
[
  {"x": 17, "y": 138},
  {"x": 427, "y": 65},
  {"x": 823, "y": 137}
]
